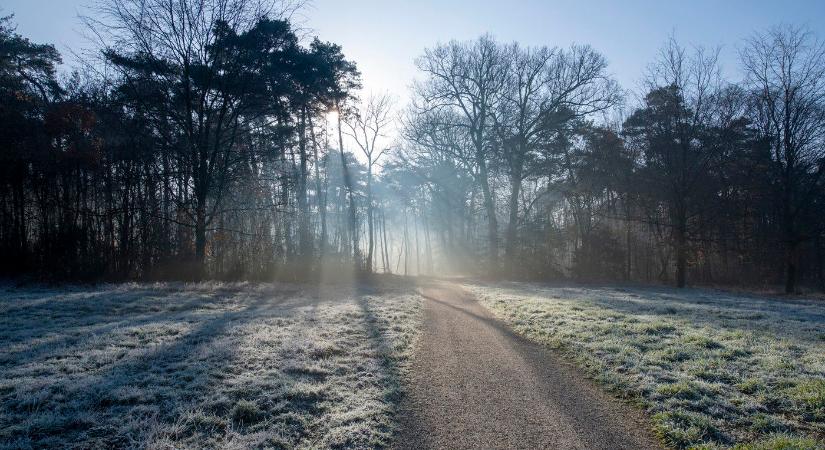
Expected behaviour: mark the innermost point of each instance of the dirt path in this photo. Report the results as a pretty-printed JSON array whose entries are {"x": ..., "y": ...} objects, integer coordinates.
[{"x": 475, "y": 384}]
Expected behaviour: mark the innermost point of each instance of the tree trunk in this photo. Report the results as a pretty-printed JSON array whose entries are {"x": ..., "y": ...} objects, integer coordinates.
[
  {"x": 320, "y": 191},
  {"x": 406, "y": 246},
  {"x": 304, "y": 236},
  {"x": 791, "y": 266},
  {"x": 512, "y": 225},
  {"x": 387, "y": 267},
  {"x": 417, "y": 249},
  {"x": 200, "y": 240},
  {"x": 353, "y": 221},
  {"x": 628, "y": 272},
  {"x": 681, "y": 256},
  {"x": 789, "y": 225},
  {"x": 370, "y": 226},
  {"x": 492, "y": 223},
  {"x": 428, "y": 246},
  {"x": 22, "y": 237},
  {"x": 125, "y": 232}
]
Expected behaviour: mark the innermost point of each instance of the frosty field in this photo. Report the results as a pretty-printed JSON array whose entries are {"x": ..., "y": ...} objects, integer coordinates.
[
  {"x": 245, "y": 365},
  {"x": 203, "y": 365},
  {"x": 715, "y": 370}
]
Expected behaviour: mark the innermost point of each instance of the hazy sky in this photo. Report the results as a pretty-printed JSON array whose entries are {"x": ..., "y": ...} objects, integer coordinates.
[{"x": 384, "y": 37}]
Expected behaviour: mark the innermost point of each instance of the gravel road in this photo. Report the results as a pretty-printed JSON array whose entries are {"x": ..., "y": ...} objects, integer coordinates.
[{"x": 476, "y": 384}]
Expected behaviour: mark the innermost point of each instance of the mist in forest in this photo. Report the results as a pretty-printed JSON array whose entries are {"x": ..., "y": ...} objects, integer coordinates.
[{"x": 219, "y": 139}]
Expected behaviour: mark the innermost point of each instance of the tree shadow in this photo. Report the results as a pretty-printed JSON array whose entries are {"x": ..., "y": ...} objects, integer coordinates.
[
  {"x": 81, "y": 380},
  {"x": 698, "y": 307},
  {"x": 155, "y": 384},
  {"x": 79, "y": 314},
  {"x": 375, "y": 330},
  {"x": 72, "y": 320}
]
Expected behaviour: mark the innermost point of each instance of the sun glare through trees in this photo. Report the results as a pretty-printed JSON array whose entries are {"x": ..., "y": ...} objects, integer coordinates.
[{"x": 288, "y": 224}]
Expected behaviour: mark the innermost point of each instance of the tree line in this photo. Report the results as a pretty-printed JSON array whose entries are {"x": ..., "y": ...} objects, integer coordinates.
[
  {"x": 195, "y": 146},
  {"x": 702, "y": 178},
  {"x": 212, "y": 138}
]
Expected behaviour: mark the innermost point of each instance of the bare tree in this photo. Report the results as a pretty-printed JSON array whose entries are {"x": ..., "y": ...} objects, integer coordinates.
[
  {"x": 469, "y": 78},
  {"x": 785, "y": 68},
  {"x": 546, "y": 88},
  {"x": 368, "y": 127}
]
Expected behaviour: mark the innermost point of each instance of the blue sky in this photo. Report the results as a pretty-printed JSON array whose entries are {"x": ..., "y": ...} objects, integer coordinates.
[{"x": 384, "y": 37}]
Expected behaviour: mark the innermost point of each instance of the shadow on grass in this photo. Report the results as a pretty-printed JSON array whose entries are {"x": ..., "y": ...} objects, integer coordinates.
[
  {"x": 795, "y": 318},
  {"x": 391, "y": 371},
  {"x": 42, "y": 330},
  {"x": 379, "y": 342},
  {"x": 136, "y": 367},
  {"x": 84, "y": 390}
]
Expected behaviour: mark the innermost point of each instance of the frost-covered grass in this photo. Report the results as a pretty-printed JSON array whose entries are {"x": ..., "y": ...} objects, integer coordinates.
[
  {"x": 714, "y": 369},
  {"x": 203, "y": 365}
]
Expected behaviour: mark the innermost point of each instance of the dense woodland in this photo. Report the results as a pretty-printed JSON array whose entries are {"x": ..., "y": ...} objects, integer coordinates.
[{"x": 214, "y": 139}]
